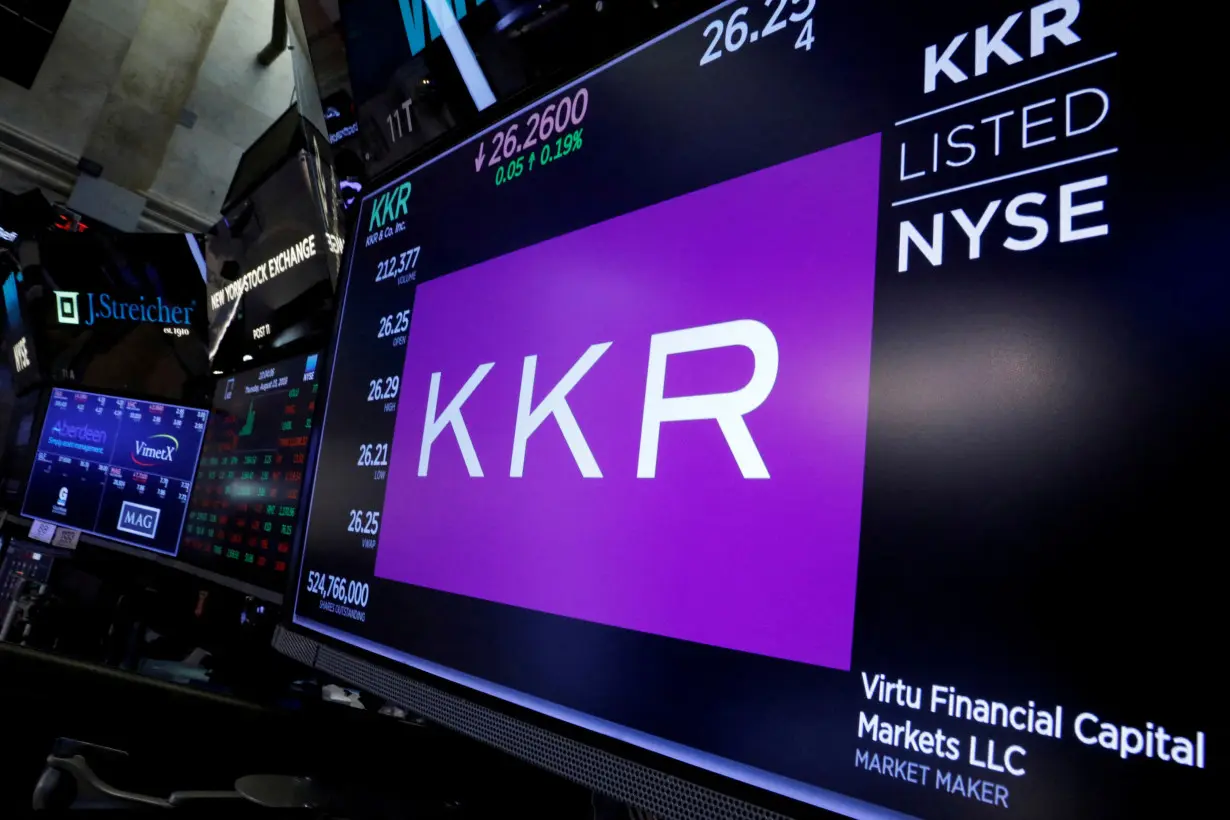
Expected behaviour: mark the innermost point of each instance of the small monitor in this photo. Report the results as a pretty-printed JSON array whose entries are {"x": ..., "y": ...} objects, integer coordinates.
[
  {"x": 245, "y": 502},
  {"x": 117, "y": 468}
]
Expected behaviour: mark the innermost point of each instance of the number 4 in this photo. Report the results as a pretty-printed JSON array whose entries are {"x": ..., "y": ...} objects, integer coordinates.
[{"x": 805, "y": 37}]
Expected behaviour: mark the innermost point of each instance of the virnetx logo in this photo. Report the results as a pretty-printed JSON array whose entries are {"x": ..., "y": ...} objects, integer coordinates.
[
  {"x": 155, "y": 450},
  {"x": 386, "y": 208}
]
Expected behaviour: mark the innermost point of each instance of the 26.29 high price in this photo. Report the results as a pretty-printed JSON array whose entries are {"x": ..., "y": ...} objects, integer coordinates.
[
  {"x": 383, "y": 389},
  {"x": 335, "y": 588}
]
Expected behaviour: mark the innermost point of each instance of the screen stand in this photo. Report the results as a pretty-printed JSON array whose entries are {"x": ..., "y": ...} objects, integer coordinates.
[{"x": 70, "y": 782}]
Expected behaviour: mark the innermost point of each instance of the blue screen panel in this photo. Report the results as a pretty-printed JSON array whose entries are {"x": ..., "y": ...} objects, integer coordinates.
[{"x": 117, "y": 468}]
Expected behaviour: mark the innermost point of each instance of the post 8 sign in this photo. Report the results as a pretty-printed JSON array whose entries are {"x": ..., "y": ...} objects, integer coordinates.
[{"x": 657, "y": 422}]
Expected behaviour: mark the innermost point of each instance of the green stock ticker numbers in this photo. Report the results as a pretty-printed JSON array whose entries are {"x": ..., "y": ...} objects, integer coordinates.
[{"x": 563, "y": 146}]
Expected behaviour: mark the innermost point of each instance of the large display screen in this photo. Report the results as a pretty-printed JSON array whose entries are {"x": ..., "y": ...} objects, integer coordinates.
[
  {"x": 116, "y": 468},
  {"x": 245, "y": 502},
  {"x": 820, "y": 395}
]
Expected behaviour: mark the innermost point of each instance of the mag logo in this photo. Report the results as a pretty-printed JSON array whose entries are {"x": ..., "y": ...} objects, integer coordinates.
[
  {"x": 654, "y": 422},
  {"x": 138, "y": 519},
  {"x": 159, "y": 448}
]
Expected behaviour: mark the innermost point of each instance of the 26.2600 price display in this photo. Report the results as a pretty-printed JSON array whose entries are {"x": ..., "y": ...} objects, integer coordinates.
[{"x": 333, "y": 588}]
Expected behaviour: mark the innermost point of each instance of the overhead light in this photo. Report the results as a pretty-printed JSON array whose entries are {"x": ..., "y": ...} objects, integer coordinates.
[
  {"x": 247, "y": 357},
  {"x": 217, "y": 372}
]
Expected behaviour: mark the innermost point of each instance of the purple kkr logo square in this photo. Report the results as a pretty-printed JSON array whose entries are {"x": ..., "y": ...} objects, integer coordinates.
[{"x": 657, "y": 422}]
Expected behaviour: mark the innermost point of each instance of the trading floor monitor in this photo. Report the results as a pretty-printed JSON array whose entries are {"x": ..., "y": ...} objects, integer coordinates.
[
  {"x": 819, "y": 406},
  {"x": 245, "y": 502},
  {"x": 114, "y": 467}
]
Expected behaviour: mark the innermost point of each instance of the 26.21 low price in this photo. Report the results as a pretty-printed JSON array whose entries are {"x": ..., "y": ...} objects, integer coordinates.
[{"x": 734, "y": 33}]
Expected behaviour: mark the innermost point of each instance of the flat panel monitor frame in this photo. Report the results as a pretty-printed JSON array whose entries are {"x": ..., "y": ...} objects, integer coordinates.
[
  {"x": 247, "y": 494},
  {"x": 1084, "y": 311},
  {"x": 151, "y": 430},
  {"x": 364, "y": 663},
  {"x": 17, "y": 518}
]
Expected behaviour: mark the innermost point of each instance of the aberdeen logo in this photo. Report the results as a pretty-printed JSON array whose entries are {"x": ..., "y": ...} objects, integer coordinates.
[
  {"x": 164, "y": 452},
  {"x": 79, "y": 432},
  {"x": 138, "y": 519},
  {"x": 104, "y": 306}
]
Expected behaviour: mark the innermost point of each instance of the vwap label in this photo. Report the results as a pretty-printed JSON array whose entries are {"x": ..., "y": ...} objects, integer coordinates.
[{"x": 73, "y": 307}]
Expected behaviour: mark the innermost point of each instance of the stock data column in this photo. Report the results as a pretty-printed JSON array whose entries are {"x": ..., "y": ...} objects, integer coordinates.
[{"x": 364, "y": 390}]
